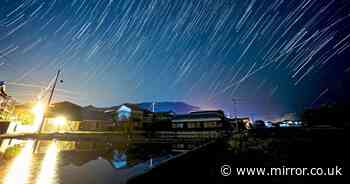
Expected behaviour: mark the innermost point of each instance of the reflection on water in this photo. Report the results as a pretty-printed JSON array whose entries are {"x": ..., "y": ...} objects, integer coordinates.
[
  {"x": 18, "y": 171},
  {"x": 50, "y": 161},
  {"x": 119, "y": 159},
  {"x": 48, "y": 168}
]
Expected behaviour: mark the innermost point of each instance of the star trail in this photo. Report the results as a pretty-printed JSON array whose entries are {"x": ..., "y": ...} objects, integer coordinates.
[{"x": 276, "y": 56}]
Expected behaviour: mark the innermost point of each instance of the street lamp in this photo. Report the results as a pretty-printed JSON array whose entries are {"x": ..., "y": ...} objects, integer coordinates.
[{"x": 59, "y": 122}]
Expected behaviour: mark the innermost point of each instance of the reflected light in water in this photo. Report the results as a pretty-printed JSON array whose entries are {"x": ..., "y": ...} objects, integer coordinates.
[
  {"x": 6, "y": 143},
  {"x": 48, "y": 167},
  {"x": 19, "y": 170}
]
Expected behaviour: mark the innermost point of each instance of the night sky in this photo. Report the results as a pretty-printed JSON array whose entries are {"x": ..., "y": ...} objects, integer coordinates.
[{"x": 273, "y": 56}]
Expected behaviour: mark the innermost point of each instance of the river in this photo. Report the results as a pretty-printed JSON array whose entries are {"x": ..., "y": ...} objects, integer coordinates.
[{"x": 62, "y": 161}]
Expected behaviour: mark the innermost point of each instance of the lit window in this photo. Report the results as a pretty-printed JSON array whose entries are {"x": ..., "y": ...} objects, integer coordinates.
[
  {"x": 179, "y": 125},
  {"x": 209, "y": 124},
  {"x": 191, "y": 125}
]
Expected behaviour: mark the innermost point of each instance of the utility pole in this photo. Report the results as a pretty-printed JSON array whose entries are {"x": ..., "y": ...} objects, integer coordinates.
[
  {"x": 49, "y": 101},
  {"x": 48, "y": 105}
]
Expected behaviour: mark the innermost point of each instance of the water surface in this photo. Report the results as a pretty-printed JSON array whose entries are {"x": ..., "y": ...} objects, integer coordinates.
[{"x": 60, "y": 161}]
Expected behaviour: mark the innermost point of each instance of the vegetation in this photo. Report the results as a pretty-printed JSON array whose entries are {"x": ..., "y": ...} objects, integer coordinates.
[{"x": 127, "y": 127}]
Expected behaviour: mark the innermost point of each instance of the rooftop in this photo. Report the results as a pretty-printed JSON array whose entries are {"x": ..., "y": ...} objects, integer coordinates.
[{"x": 200, "y": 116}]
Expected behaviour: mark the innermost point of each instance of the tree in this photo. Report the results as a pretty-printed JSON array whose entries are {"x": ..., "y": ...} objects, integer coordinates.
[{"x": 127, "y": 127}]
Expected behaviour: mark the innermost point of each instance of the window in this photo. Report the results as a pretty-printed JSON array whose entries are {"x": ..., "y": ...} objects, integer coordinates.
[
  {"x": 209, "y": 124},
  {"x": 177, "y": 125},
  {"x": 191, "y": 125}
]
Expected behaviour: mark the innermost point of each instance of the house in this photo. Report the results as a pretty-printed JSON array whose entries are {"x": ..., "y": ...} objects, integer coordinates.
[
  {"x": 157, "y": 120},
  {"x": 7, "y": 104},
  {"x": 132, "y": 111},
  {"x": 163, "y": 116},
  {"x": 259, "y": 124},
  {"x": 4, "y": 126},
  {"x": 96, "y": 120},
  {"x": 200, "y": 120},
  {"x": 67, "y": 116},
  {"x": 7, "y": 107},
  {"x": 128, "y": 113},
  {"x": 242, "y": 123},
  {"x": 62, "y": 116}
]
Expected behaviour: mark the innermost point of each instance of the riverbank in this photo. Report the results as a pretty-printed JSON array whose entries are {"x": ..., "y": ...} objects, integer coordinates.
[
  {"x": 264, "y": 148},
  {"x": 115, "y": 136}
]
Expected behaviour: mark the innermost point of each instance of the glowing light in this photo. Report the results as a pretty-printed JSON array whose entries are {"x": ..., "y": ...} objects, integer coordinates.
[
  {"x": 48, "y": 172},
  {"x": 38, "y": 111},
  {"x": 19, "y": 170},
  {"x": 59, "y": 121}
]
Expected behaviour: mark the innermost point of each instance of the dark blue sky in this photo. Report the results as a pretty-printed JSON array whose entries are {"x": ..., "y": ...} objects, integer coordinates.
[{"x": 273, "y": 56}]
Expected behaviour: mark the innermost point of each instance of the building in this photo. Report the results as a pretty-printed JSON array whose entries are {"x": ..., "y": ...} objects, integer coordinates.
[
  {"x": 163, "y": 116},
  {"x": 7, "y": 107},
  {"x": 200, "y": 120},
  {"x": 4, "y": 126},
  {"x": 130, "y": 114},
  {"x": 259, "y": 124},
  {"x": 62, "y": 116},
  {"x": 93, "y": 120},
  {"x": 60, "y": 124},
  {"x": 7, "y": 104},
  {"x": 243, "y": 123},
  {"x": 154, "y": 121},
  {"x": 66, "y": 116}
]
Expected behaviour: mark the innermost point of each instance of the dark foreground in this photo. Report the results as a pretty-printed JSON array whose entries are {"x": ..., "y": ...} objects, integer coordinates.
[{"x": 258, "y": 148}]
